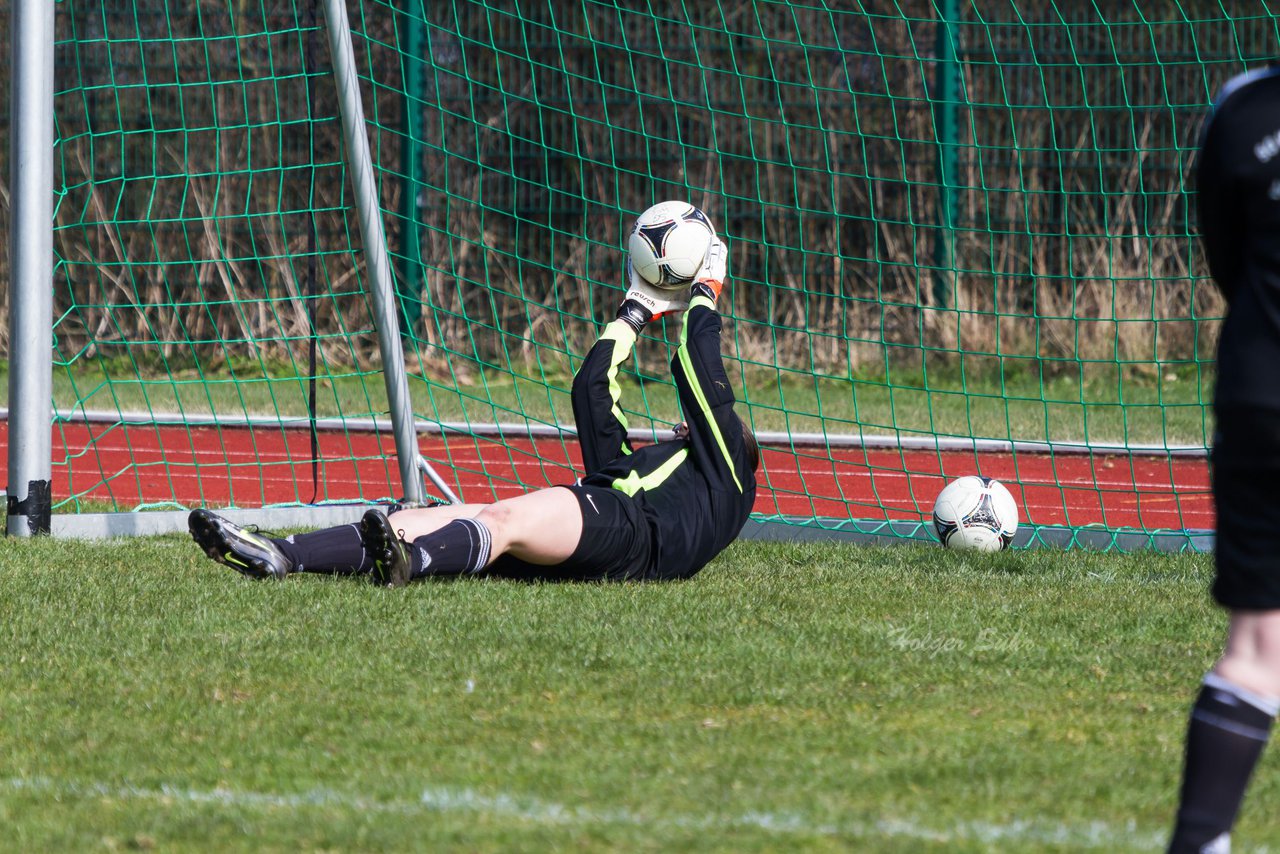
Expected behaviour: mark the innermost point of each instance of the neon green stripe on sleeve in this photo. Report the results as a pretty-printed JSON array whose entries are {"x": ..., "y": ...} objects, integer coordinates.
[
  {"x": 698, "y": 394},
  {"x": 624, "y": 340}
]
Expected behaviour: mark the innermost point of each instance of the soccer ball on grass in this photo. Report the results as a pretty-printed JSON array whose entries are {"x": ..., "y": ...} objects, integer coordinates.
[
  {"x": 975, "y": 513},
  {"x": 669, "y": 243}
]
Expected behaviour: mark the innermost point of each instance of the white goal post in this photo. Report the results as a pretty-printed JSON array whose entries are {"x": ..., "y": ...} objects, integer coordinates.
[{"x": 28, "y": 493}]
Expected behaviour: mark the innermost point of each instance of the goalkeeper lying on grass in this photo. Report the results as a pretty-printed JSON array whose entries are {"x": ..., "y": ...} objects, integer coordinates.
[{"x": 657, "y": 512}]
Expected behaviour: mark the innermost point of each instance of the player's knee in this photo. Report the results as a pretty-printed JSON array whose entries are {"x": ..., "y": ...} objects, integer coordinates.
[
  {"x": 1254, "y": 673},
  {"x": 497, "y": 518}
]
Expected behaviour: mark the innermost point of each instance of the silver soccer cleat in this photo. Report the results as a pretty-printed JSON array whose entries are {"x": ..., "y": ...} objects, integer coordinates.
[{"x": 244, "y": 551}]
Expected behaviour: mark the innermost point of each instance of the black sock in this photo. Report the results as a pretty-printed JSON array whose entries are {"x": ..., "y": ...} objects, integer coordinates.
[
  {"x": 460, "y": 547},
  {"x": 334, "y": 551},
  {"x": 1228, "y": 730}
]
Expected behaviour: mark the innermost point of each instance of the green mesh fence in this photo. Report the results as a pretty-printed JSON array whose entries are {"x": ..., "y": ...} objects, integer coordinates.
[
  {"x": 213, "y": 342},
  {"x": 961, "y": 243}
]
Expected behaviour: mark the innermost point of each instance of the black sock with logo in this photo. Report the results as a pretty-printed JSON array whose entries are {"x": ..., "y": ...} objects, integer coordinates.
[
  {"x": 459, "y": 548},
  {"x": 332, "y": 551}
]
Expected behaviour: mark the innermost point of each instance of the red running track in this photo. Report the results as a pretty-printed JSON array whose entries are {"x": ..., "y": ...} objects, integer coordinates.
[{"x": 250, "y": 466}]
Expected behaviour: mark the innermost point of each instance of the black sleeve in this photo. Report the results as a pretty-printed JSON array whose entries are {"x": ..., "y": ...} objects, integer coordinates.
[
  {"x": 602, "y": 428},
  {"x": 706, "y": 398},
  {"x": 1218, "y": 203}
]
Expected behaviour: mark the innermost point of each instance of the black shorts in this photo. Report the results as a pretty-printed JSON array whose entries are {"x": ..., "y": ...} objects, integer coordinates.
[
  {"x": 616, "y": 542},
  {"x": 1246, "y": 466}
]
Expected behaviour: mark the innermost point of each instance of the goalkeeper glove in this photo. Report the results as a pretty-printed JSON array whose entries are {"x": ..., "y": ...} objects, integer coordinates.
[
  {"x": 709, "y": 280},
  {"x": 644, "y": 302}
]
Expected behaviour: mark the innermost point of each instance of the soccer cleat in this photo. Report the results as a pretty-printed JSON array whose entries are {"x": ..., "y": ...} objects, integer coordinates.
[
  {"x": 391, "y": 565},
  {"x": 244, "y": 551}
]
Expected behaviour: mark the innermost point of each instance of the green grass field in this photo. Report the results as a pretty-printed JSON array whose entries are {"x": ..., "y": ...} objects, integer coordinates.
[{"x": 790, "y": 697}]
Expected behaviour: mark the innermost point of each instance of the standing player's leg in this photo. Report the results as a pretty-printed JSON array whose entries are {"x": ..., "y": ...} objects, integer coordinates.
[
  {"x": 1229, "y": 728},
  {"x": 541, "y": 528},
  {"x": 1231, "y": 718},
  {"x": 1252, "y": 656}
]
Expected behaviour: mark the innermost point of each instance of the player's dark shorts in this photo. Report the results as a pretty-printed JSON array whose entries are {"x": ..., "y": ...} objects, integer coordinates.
[
  {"x": 616, "y": 542},
  {"x": 1246, "y": 464}
]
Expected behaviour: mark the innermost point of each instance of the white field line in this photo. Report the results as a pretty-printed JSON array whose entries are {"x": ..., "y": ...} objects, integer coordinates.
[{"x": 533, "y": 810}]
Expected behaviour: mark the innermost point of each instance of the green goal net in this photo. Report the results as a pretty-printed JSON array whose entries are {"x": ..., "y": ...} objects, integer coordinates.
[{"x": 961, "y": 242}]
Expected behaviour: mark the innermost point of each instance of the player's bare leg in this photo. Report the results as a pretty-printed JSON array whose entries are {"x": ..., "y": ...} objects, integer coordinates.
[
  {"x": 1252, "y": 656},
  {"x": 542, "y": 527},
  {"x": 420, "y": 521}
]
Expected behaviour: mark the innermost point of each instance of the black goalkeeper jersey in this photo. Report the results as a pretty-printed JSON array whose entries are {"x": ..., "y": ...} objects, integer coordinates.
[
  {"x": 1238, "y": 183},
  {"x": 695, "y": 493}
]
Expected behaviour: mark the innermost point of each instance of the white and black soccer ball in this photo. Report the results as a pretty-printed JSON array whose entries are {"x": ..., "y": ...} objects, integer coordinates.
[
  {"x": 975, "y": 513},
  {"x": 669, "y": 243}
]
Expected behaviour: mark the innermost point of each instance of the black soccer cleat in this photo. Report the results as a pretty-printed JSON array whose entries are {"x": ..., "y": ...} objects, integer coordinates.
[
  {"x": 244, "y": 551},
  {"x": 391, "y": 565}
]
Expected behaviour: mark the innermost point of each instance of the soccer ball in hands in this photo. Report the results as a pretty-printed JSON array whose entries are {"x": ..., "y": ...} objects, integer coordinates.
[
  {"x": 975, "y": 513},
  {"x": 669, "y": 243}
]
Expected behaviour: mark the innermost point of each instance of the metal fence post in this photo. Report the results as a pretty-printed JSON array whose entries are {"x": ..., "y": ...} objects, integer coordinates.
[
  {"x": 945, "y": 104},
  {"x": 412, "y": 69}
]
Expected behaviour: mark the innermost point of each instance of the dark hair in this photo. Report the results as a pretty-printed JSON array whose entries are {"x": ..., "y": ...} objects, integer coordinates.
[{"x": 752, "y": 446}]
